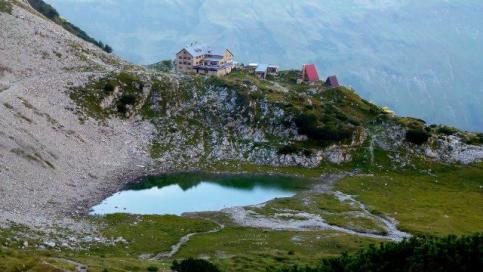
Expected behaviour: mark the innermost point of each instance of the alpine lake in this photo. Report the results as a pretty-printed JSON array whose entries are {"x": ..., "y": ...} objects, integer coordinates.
[{"x": 180, "y": 193}]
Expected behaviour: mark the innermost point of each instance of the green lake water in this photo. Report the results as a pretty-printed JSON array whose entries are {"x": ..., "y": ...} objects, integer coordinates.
[{"x": 195, "y": 192}]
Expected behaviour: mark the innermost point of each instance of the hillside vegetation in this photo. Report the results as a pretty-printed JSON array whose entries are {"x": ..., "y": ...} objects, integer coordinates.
[
  {"x": 241, "y": 123},
  {"x": 274, "y": 122},
  {"x": 5, "y": 6},
  {"x": 450, "y": 253},
  {"x": 50, "y": 12},
  {"x": 162, "y": 66}
]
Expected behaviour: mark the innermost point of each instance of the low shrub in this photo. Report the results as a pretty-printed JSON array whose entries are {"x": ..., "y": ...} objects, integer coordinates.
[
  {"x": 447, "y": 130},
  {"x": 124, "y": 101},
  {"x": 121, "y": 108},
  {"x": 162, "y": 66},
  {"x": 417, "y": 136},
  {"x": 152, "y": 268},
  {"x": 476, "y": 139},
  {"x": 194, "y": 265},
  {"x": 290, "y": 76},
  {"x": 309, "y": 125},
  {"x": 127, "y": 78},
  {"x": 289, "y": 149},
  {"x": 107, "y": 48},
  {"x": 128, "y": 99},
  {"x": 109, "y": 88},
  {"x": 5, "y": 7},
  {"x": 417, "y": 254}
]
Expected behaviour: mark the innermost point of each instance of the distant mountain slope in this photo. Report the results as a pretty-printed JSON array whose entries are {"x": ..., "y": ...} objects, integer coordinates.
[{"x": 421, "y": 58}]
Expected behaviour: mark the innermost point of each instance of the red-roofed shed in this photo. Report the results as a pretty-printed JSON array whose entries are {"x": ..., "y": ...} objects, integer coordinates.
[
  {"x": 332, "y": 81},
  {"x": 309, "y": 73}
]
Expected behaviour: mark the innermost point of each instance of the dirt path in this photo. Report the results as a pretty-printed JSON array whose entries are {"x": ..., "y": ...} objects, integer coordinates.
[
  {"x": 307, "y": 221},
  {"x": 185, "y": 239},
  {"x": 23, "y": 82},
  {"x": 78, "y": 266},
  {"x": 390, "y": 224}
]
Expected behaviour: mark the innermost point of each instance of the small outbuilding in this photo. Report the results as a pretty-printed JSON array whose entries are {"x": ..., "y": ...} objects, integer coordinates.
[
  {"x": 273, "y": 70},
  {"x": 252, "y": 67},
  {"x": 309, "y": 74},
  {"x": 332, "y": 81},
  {"x": 261, "y": 71}
]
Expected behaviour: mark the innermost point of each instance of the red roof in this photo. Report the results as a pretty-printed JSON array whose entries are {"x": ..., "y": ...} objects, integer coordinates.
[
  {"x": 332, "y": 81},
  {"x": 310, "y": 73}
]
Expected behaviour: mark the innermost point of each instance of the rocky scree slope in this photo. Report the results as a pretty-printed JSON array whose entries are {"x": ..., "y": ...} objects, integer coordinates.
[{"x": 52, "y": 163}]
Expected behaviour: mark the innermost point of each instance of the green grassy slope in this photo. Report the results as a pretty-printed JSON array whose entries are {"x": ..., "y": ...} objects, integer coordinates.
[
  {"x": 446, "y": 200},
  {"x": 449, "y": 200}
]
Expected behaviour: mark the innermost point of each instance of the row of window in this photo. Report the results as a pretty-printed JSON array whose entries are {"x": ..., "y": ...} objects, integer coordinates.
[
  {"x": 205, "y": 63},
  {"x": 188, "y": 58}
]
